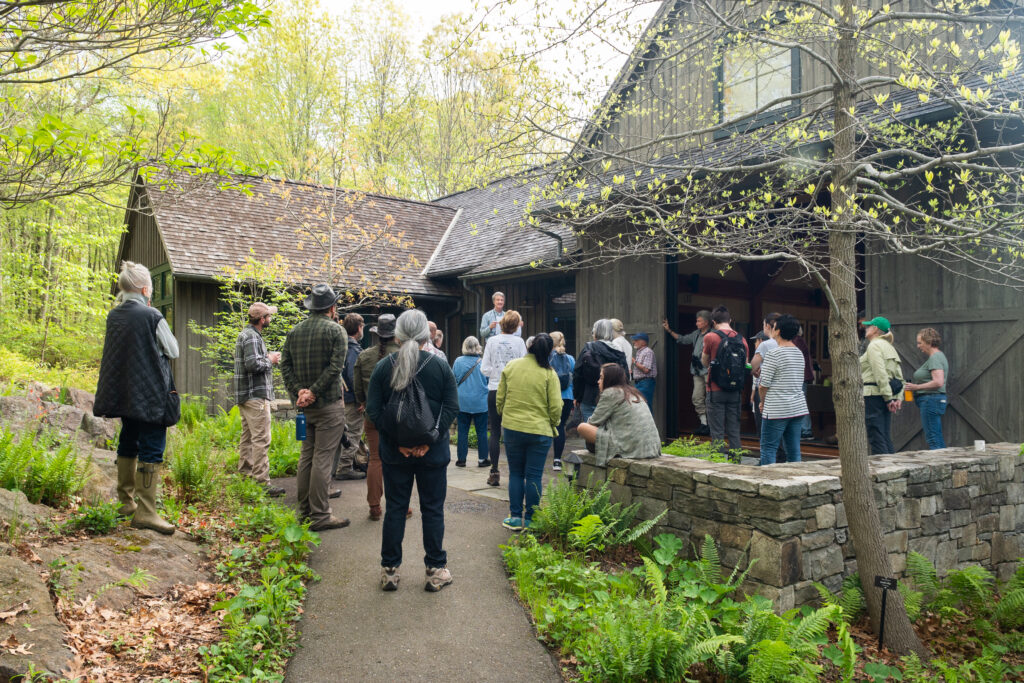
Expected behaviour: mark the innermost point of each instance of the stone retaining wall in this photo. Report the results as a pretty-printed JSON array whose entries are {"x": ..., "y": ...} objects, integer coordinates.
[{"x": 955, "y": 506}]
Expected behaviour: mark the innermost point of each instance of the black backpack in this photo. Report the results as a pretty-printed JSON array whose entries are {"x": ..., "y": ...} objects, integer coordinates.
[
  {"x": 729, "y": 367},
  {"x": 407, "y": 419}
]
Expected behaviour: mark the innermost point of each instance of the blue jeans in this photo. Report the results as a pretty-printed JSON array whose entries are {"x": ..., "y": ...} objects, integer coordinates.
[
  {"x": 526, "y": 455},
  {"x": 787, "y": 431},
  {"x": 932, "y": 407},
  {"x": 462, "y": 449},
  {"x": 646, "y": 387},
  {"x": 806, "y": 430},
  {"x": 142, "y": 440},
  {"x": 432, "y": 485},
  {"x": 560, "y": 439},
  {"x": 586, "y": 410}
]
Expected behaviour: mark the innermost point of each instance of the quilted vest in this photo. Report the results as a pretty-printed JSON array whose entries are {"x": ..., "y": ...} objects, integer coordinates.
[{"x": 135, "y": 379}]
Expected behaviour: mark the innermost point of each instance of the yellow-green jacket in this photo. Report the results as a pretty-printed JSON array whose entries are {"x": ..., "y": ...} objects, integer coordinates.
[
  {"x": 529, "y": 397},
  {"x": 878, "y": 364}
]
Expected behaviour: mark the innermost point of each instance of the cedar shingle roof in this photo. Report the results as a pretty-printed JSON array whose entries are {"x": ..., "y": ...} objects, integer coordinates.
[
  {"x": 208, "y": 225},
  {"x": 491, "y": 232}
]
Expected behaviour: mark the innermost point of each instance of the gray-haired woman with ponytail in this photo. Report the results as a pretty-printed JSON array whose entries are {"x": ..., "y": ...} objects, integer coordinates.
[
  {"x": 408, "y": 370},
  {"x": 135, "y": 384}
]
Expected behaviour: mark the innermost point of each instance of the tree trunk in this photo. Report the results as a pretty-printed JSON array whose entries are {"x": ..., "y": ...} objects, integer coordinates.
[
  {"x": 858, "y": 493},
  {"x": 48, "y": 285}
]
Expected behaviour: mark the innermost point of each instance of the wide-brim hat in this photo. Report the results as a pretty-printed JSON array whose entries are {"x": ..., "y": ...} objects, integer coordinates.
[
  {"x": 320, "y": 298},
  {"x": 385, "y": 327}
]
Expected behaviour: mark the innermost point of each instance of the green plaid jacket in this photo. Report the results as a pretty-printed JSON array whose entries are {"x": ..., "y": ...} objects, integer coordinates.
[{"x": 313, "y": 358}]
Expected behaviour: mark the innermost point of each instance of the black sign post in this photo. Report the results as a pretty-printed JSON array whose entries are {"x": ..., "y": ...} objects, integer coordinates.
[{"x": 886, "y": 584}]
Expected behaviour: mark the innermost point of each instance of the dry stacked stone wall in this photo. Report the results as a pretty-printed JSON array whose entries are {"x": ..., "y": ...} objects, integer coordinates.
[{"x": 955, "y": 506}]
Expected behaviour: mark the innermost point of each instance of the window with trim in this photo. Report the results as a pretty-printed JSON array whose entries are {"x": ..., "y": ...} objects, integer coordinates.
[
  {"x": 163, "y": 292},
  {"x": 752, "y": 74}
]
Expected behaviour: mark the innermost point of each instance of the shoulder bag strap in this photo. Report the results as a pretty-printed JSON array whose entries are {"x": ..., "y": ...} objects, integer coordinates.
[{"x": 469, "y": 372}]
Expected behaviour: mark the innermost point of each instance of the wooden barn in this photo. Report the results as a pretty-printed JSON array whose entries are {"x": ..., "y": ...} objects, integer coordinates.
[{"x": 190, "y": 230}]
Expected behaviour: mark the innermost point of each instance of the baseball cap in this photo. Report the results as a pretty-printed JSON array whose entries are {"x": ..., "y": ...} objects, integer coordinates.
[
  {"x": 642, "y": 335},
  {"x": 260, "y": 309},
  {"x": 879, "y": 322}
]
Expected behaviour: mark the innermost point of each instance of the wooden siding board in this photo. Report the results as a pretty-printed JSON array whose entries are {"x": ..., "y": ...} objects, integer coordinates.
[{"x": 142, "y": 241}]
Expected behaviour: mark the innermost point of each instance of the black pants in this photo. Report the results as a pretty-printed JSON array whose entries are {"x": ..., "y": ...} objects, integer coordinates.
[
  {"x": 432, "y": 485},
  {"x": 878, "y": 420},
  {"x": 494, "y": 442},
  {"x": 560, "y": 439}
]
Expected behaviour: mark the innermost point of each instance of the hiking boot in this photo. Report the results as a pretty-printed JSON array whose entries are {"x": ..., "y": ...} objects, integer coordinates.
[
  {"x": 460, "y": 463},
  {"x": 375, "y": 513},
  {"x": 493, "y": 479},
  {"x": 274, "y": 491},
  {"x": 349, "y": 475},
  {"x": 126, "y": 486},
  {"x": 513, "y": 523},
  {"x": 334, "y": 493},
  {"x": 147, "y": 480},
  {"x": 437, "y": 578},
  {"x": 703, "y": 430},
  {"x": 484, "y": 463},
  {"x": 389, "y": 578},
  {"x": 331, "y": 522},
  {"x": 557, "y": 466}
]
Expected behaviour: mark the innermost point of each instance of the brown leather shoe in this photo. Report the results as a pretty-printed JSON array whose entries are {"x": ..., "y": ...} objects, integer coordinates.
[
  {"x": 331, "y": 522},
  {"x": 375, "y": 513},
  {"x": 493, "y": 479}
]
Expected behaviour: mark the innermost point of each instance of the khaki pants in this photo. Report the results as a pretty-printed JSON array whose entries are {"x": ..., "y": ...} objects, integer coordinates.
[
  {"x": 324, "y": 427},
  {"x": 700, "y": 394},
  {"x": 345, "y": 458},
  {"x": 374, "y": 469},
  {"x": 253, "y": 449}
]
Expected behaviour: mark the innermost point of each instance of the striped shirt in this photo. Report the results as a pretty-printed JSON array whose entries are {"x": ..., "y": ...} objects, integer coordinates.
[{"x": 782, "y": 374}]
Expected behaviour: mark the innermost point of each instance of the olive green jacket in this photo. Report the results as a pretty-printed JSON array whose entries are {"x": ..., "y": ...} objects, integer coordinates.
[
  {"x": 365, "y": 363},
  {"x": 529, "y": 397},
  {"x": 878, "y": 364}
]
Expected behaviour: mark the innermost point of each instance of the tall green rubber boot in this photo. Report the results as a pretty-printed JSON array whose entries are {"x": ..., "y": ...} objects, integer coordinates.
[
  {"x": 148, "y": 481},
  {"x": 126, "y": 486}
]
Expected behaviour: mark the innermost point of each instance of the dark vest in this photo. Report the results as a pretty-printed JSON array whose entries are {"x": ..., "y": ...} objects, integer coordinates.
[{"x": 135, "y": 379}]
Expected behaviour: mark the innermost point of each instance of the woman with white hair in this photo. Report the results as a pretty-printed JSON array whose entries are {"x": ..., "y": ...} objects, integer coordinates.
[
  {"x": 587, "y": 373},
  {"x": 135, "y": 384},
  {"x": 411, "y": 379},
  {"x": 622, "y": 344},
  {"x": 472, "y": 401}
]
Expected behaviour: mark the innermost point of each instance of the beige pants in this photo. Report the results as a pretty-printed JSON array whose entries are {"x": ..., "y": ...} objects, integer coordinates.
[
  {"x": 253, "y": 449},
  {"x": 324, "y": 427},
  {"x": 700, "y": 393}
]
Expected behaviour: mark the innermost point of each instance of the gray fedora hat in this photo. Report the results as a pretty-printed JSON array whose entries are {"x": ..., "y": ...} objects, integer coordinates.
[
  {"x": 385, "y": 327},
  {"x": 320, "y": 298}
]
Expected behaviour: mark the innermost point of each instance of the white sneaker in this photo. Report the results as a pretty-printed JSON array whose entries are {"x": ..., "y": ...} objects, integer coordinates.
[{"x": 557, "y": 466}]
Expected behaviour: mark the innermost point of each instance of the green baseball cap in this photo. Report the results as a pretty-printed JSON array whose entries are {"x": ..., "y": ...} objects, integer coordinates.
[{"x": 879, "y": 322}]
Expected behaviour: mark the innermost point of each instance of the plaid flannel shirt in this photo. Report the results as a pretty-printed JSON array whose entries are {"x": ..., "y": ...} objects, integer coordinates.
[
  {"x": 313, "y": 358},
  {"x": 253, "y": 370}
]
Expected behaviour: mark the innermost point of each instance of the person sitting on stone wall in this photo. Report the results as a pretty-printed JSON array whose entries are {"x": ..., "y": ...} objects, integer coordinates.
[{"x": 622, "y": 425}]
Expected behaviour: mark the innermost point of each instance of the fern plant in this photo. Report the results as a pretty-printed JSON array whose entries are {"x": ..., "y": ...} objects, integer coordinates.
[{"x": 850, "y": 599}]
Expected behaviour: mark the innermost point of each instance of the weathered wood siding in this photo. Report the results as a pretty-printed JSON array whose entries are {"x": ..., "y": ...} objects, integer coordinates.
[
  {"x": 142, "y": 242},
  {"x": 982, "y": 326},
  {"x": 634, "y": 292},
  {"x": 194, "y": 301}
]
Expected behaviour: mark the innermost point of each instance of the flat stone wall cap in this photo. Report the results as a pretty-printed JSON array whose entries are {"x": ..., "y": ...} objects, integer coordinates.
[
  {"x": 820, "y": 484},
  {"x": 782, "y": 489},
  {"x": 735, "y": 482}
]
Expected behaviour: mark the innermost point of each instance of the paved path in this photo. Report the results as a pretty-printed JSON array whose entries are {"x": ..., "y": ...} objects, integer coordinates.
[{"x": 473, "y": 630}]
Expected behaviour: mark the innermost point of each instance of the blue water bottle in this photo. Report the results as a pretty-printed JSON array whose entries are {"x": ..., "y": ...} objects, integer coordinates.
[{"x": 300, "y": 427}]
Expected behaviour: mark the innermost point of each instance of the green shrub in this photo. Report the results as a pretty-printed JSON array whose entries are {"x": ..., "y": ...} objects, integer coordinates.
[
  {"x": 45, "y": 468},
  {"x": 192, "y": 465},
  {"x": 284, "y": 449},
  {"x": 712, "y": 451},
  {"x": 98, "y": 519},
  {"x": 192, "y": 413}
]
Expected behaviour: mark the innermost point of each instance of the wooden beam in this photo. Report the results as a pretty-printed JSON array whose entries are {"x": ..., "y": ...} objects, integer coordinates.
[
  {"x": 962, "y": 315},
  {"x": 981, "y": 425},
  {"x": 991, "y": 354}
]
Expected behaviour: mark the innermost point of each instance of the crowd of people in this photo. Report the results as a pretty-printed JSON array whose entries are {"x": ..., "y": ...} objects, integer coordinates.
[
  {"x": 384, "y": 413},
  {"x": 781, "y": 369}
]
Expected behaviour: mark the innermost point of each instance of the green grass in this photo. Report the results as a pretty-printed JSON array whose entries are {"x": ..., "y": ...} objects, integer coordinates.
[{"x": 47, "y": 469}]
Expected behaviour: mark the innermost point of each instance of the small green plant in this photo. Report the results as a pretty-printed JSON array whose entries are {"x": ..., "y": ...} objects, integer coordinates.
[
  {"x": 192, "y": 413},
  {"x": 64, "y": 578},
  {"x": 712, "y": 451},
  {"x": 851, "y": 598},
  {"x": 98, "y": 519},
  {"x": 284, "y": 450},
  {"x": 46, "y": 468},
  {"x": 192, "y": 466},
  {"x": 139, "y": 578}
]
